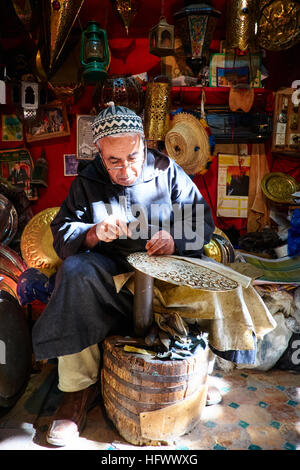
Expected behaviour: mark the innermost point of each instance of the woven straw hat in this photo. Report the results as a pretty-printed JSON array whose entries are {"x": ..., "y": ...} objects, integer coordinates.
[{"x": 187, "y": 142}]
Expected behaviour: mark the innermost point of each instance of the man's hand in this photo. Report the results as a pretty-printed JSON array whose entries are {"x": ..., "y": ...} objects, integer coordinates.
[
  {"x": 162, "y": 243},
  {"x": 111, "y": 228}
]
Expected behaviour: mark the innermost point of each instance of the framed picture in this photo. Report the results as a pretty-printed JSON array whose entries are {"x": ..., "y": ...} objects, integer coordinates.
[
  {"x": 86, "y": 149},
  {"x": 12, "y": 128},
  {"x": 16, "y": 166},
  {"x": 233, "y": 185},
  {"x": 70, "y": 164},
  {"x": 228, "y": 69},
  {"x": 54, "y": 124}
]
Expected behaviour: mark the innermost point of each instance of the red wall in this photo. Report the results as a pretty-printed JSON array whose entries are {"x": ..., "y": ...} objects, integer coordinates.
[{"x": 282, "y": 66}]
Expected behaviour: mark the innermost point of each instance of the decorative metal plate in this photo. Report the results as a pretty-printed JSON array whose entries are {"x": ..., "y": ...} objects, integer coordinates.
[
  {"x": 279, "y": 187},
  {"x": 37, "y": 242},
  {"x": 11, "y": 267},
  {"x": 180, "y": 272},
  {"x": 10, "y": 225},
  {"x": 278, "y": 24}
]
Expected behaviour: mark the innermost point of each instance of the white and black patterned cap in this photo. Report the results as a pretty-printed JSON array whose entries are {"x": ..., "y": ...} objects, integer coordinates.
[{"x": 115, "y": 120}]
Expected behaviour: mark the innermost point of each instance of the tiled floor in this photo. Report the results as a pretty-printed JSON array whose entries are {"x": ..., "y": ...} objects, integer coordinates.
[{"x": 260, "y": 410}]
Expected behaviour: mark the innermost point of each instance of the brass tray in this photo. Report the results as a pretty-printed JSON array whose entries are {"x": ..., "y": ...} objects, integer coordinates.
[
  {"x": 220, "y": 248},
  {"x": 279, "y": 187},
  {"x": 278, "y": 24},
  {"x": 37, "y": 242}
]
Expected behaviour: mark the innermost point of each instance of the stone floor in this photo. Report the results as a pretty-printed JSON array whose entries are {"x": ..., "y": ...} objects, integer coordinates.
[{"x": 260, "y": 410}]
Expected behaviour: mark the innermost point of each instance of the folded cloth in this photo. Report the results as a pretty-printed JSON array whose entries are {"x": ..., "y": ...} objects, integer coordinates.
[
  {"x": 172, "y": 323},
  {"x": 234, "y": 319}
]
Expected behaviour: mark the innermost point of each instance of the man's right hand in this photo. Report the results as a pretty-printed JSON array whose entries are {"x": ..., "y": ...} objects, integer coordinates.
[{"x": 111, "y": 228}]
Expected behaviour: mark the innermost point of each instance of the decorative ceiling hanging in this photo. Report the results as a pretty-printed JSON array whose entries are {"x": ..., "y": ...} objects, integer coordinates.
[
  {"x": 195, "y": 25},
  {"x": 24, "y": 12},
  {"x": 62, "y": 16},
  {"x": 157, "y": 108},
  {"x": 123, "y": 91},
  {"x": 241, "y": 25},
  {"x": 279, "y": 24},
  {"x": 127, "y": 9},
  {"x": 161, "y": 39},
  {"x": 95, "y": 56},
  {"x": 29, "y": 97},
  {"x": 161, "y": 36}
]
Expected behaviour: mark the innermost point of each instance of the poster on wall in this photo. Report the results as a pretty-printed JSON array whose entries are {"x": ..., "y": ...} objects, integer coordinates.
[
  {"x": 16, "y": 166},
  {"x": 70, "y": 164},
  {"x": 12, "y": 128},
  {"x": 228, "y": 70},
  {"x": 86, "y": 149},
  {"x": 233, "y": 185}
]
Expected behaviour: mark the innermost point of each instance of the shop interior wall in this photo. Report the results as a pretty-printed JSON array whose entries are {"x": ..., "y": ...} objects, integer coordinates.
[{"x": 130, "y": 55}]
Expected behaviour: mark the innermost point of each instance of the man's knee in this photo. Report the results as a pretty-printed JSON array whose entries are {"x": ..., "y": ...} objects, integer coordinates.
[{"x": 87, "y": 266}]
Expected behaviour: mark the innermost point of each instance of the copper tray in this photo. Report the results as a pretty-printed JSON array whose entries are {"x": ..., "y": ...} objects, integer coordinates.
[{"x": 279, "y": 187}]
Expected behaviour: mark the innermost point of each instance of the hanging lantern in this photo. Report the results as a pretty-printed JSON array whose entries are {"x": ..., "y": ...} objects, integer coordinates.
[
  {"x": 157, "y": 108},
  {"x": 94, "y": 57},
  {"x": 195, "y": 25},
  {"x": 61, "y": 15},
  {"x": 40, "y": 171},
  {"x": 123, "y": 91},
  {"x": 241, "y": 25},
  {"x": 127, "y": 9},
  {"x": 161, "y": 39},
  {"x": 29, "y": 97}
]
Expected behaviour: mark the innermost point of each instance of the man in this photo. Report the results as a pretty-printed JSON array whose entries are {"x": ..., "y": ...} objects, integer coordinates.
[
  {"x": 18, "y": 176},
  {"x": 98, "y": 225}
]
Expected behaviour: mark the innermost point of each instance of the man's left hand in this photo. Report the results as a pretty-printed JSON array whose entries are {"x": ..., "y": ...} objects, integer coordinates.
[{"x": 162, "y": 243}]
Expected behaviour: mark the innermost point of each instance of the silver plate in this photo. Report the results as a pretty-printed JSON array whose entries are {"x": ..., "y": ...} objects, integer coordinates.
[{"x": 180, "y": 272}]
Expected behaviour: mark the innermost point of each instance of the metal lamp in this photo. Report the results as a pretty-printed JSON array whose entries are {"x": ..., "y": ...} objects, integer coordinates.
[
  {"x": 29, "y": 96},
  {"x": 195, "y": 25},
  {"x": 94, "y": 57},
  {"x": 161, "y": 39}
]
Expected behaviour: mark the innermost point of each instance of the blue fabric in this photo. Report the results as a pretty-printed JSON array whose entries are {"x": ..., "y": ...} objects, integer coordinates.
[
  {"x": 34, "y": 285},
  {"x": 245, "y": 356},
  {"x": 294, "y": 234}
]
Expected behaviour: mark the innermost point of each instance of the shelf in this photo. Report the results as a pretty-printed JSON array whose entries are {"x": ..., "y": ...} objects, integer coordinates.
[{"x": 191, "y": 96}]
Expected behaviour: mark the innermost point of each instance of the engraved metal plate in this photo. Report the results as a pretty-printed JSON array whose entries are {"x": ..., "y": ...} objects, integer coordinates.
[
  {"x": 279, "y": 187},
  {"x": 37, "y": 242},
  {"x": 180, "y": 272}
]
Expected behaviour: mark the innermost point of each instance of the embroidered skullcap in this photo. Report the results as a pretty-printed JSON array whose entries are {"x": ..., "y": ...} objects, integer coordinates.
[{"x": 115, "y": 120}]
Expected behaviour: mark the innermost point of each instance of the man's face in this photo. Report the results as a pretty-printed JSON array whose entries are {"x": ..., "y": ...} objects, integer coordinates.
[{"x": 123, "y": 157}]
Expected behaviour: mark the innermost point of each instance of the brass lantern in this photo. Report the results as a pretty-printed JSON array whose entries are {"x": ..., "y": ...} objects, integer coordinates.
[
  {"x": 195, "y": 25},
  {"x": 241, "y": 25},
  {"x": 161, "y": 39}
]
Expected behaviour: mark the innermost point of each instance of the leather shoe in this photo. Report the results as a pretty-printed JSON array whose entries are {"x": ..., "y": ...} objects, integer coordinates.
[{"x": 70, "y": 417}]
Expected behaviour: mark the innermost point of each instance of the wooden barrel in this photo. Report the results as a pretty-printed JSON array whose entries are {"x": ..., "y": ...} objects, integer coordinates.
[{"x": 152, "y": 401}]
